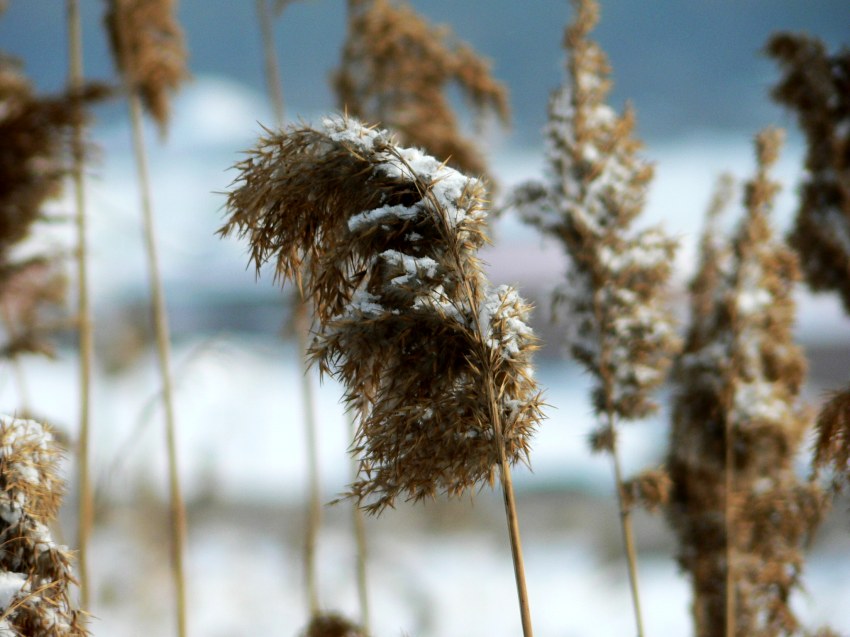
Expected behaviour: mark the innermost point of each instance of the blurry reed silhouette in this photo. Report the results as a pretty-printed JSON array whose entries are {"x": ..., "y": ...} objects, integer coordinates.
[
  {"x": 33, "y": 164},
  {"x": 741, "y": 514},
  {"x": 35, "y": 573},
  {"x": 383, "y": 241}
]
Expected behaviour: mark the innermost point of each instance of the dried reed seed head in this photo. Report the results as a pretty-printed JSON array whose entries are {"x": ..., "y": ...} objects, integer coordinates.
[
  {"x": 332, "y": 625},
  {"x": 613, "y": 299},
  {"x": 384, "y": 240},
  {"x": 36, "y": 573},
  {"x": 148, "y": 49},
  {"x": 396, "y": 69},
  {"x": 739, "y": 380}
]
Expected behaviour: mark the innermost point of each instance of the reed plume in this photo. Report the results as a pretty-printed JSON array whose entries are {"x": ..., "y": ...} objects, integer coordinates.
[
  {"x": 613, "y": 298},
  {"x": 383, "y": 240},
  {"x": 396, "y": 68},
  {"x": 816, "y": 85},
  {"x": 740, "y": 513},
  {"x": 35, "y": 573},
  {"x": 147, "y": 48},
  {"x": 33, "y": 166}
]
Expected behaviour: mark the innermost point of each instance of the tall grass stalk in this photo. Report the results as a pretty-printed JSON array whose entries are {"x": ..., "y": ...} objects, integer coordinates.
[
  {"x": 362, "y": 548},
  {"x": 84, "y": 315},
  {"x": 163, "y": 347},
  {"x": 147, "y": 45}
]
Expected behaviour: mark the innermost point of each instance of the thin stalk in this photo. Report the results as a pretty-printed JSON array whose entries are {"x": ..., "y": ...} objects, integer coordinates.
[
  {"x": 510, "y": 512},
  {"x": 84, "y": 315},
  {"x": 626, "y": 527},
  {"x": 160, "y": 318},
  {"x": 362, "y": 549},
  {"x": 301, "y": 326},
  {"x": 729, "y": 471},
  {"x": 272, "y": 68},
  {"x": 314, "y": 504}
]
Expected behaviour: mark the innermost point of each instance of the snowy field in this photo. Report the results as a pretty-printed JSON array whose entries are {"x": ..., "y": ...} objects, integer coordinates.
[{"x": 442, "y": 570}]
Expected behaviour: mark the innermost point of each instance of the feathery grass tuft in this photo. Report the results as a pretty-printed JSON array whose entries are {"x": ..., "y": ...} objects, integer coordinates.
[
  {"x": 395, "y": 70},
  {"x": 35, "y": 572},
  {"x": 386, "y": 238},
  {"x": 148, "y": 49}
]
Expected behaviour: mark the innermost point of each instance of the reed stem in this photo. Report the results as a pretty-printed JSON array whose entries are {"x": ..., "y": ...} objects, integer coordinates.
[
  {"x": 314, "y": 505},
  {"x": 362, "y": 549},
  {"x": 510, "y": 512},
  {"x": 626, "y": 528},
  {"x": 160, "y": 318},
  {"x": 729, "y": 471},
  {"x": 272, "y": 68},
  {"x": 84, "y": 315}
]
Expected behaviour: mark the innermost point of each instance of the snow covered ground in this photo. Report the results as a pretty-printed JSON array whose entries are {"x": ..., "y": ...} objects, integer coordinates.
[{"x": 241, "y": 440}]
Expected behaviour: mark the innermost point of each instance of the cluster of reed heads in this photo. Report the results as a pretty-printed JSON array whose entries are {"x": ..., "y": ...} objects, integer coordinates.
[{"x": 378, "y": 226}]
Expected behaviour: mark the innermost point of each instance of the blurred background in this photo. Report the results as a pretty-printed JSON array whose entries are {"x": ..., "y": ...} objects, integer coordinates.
[{"x": 696, "y": 76}]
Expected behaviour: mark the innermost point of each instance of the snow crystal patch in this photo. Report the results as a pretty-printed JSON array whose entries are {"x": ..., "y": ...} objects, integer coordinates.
[
  {"x": 11, "y": 585},
  {"x": 382, "y": 215}
]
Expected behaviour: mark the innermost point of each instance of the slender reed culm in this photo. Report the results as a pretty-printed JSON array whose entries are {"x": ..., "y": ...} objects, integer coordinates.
[
  {"x": 383, "y": 240},
  {"x": 85, "y": 328},
  {"x": 147, "y": 46},
  {"x": 35, "y": 573},
  {"x": 618, "y": 325}
]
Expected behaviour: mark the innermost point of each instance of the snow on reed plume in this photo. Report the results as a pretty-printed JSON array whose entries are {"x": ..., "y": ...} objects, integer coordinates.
[
  {"x": 35, "y": 572},
  {"x": 33, "y": 166},
  {"x": 148, "y": 49},
  {"x": 396, "y": 68},
  {"x": 387, "y": 239},
  {"x": 613, "y": 300},
  {"x": 816, "y": 85},
  {"x": 738, "y": 423}
]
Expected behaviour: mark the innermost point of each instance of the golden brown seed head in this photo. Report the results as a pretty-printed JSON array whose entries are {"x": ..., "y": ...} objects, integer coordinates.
[{"x": 148, "y": 50}]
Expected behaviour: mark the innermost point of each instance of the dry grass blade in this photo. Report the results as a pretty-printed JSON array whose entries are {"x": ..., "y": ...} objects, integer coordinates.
[
  {"x": 816, "y": 85},
  {"x": 738, "y": 422},
  {"x": 148, "y": 49},
  {"x": 396, "y": 69},
  {"x": 36, "y": 572}
]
